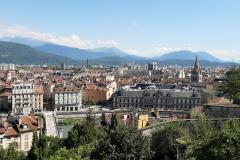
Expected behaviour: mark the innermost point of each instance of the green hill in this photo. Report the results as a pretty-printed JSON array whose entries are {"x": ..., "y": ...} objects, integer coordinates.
[{"x": 22, "y": 54}]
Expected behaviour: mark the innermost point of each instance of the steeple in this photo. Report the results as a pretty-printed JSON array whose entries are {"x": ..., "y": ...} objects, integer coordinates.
[
  {"x": 196, "y": 74},
  {"x": 196, "y": 64},
  {"x": 87, "y": 63}
]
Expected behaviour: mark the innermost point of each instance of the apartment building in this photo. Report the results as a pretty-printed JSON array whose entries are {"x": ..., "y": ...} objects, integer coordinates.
[
  {"x": 67, "y": 99},
  {"x": 18, "y": 131},
  {"x": 5, "y": 66},
  {"x": 27, "y": 97},
  {"x": 99, "y": 93}
]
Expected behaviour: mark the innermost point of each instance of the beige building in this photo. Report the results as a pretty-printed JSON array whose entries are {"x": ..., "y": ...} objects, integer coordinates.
[
  {"x": 27, "y": 97},
  {"x": 98, "y": 94},
  {"x": 18, "y": 131}
]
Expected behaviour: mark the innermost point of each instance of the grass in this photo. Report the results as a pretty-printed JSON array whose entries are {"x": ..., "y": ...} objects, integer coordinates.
[{"x": 68, "y": 121}]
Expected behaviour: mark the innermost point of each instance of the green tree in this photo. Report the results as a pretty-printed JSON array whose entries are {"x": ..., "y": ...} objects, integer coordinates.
[
  {"x": 65, "y": 154},
  {"x": 164, "y": 141},
  {"x": 114, "y": 121},
  {"x": 11, "y": 153},
  {"x": 123, "y": 143},
  {"x": 231, "y": 85},
  {"x": 33, "y": 154},
  {"x": 43, "y": 146},
  {"x": 84, "y": 133},
  {"x": 223, "y": 144}
]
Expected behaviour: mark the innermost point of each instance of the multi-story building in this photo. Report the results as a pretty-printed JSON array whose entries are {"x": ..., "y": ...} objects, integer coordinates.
[
  {"x": 5, "y": 66},
  {"x": 151, "y": 66},
  {"x": 67, "y": 99},
  {"x": 18, "y": 131},
  {"x": 27, "y": 97},
  {"x": 98, "y": 94},
  {"x": 159, "y": 98}
]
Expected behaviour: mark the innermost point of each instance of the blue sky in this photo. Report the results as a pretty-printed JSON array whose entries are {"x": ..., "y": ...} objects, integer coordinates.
[{"x": 142, "y": 27}]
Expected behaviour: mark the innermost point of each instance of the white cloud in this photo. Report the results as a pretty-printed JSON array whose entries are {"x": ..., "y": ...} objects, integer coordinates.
[
  {"x": 226, "y": 54},
  {"x": 72, "y": 40},
  {"x": 132, "y": 51}
]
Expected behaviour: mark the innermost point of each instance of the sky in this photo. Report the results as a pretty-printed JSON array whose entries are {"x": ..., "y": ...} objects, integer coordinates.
[{"x": 141, "y": 27}]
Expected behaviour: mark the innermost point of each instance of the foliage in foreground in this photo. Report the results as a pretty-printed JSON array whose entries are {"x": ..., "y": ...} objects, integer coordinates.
[
  {"x": 200, "y": 140},
  {"x": 231, "y": 85},
  {"x": 164, "y": 141},
  {"x": 123, "y": 143},
  {"x": 11, "y": 154}
]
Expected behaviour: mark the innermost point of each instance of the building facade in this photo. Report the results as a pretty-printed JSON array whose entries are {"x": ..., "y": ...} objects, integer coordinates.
[
  {"x": 6, "y": 67},
  {"x": 96, "y": 94},
  {"x": 27, "y": 97},
  {"x": 160, "y": 98},
  {"x": 67, "y": 99},
  {"x": 18, "y": 131}
]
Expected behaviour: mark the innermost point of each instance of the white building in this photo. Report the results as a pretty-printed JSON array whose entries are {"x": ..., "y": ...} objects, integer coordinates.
[
  {"x": 27, "y": 97},
  {"x": 109, "y": 78},
  {"x": 6, "y": 67},
  {"x": 67, "y": 99},
  {"x": 181, "y": 74}
]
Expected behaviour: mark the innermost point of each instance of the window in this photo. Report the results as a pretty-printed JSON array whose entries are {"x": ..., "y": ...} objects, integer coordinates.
[{"x": 26, "y": 136}]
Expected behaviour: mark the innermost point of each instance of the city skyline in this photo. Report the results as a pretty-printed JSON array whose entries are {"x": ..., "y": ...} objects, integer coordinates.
[{"x": 137, "y": 27}]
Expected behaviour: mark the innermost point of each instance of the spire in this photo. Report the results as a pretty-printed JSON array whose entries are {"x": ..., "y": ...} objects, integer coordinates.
[
  {"x": 196, "y": 65},
  {"x": 87, "y": 63}
]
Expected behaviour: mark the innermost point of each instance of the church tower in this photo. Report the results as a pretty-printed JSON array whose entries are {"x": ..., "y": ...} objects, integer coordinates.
[{"x": 196, "y": 74}]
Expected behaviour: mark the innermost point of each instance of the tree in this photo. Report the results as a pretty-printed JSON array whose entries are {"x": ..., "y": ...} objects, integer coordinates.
[
  {"x": 43, "y": 146},
  {"x": 64, "y": 154},
  {"x": 33, "y": 154},
  {"x": 123, "y": 143},
  {"x": 114, "y": 121},
  {"x": 82, "y": 134},
  {"x": 223, "y": 144},
  {"x": 231, "y": 85},
  {"x": 11, "y": 153},
  {"x": 201, "y": 132},
  {"x": 164, "y": 141}
]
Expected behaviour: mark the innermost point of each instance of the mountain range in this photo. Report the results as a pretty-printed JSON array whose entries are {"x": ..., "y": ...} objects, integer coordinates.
[
  {"x": 11, "y": 52},
  {"x": 24, "y": 50}
]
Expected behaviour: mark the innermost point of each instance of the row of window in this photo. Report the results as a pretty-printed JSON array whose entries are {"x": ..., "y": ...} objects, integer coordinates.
[
  {"x": 178, "y": 100},
  {"x": 159, "y": 106},
  {"x": 23, "y": 87},
  {"x": 66, "y": 94},
  {"x": 67, "y": 108},
  {"x": 66, "y": 102}
]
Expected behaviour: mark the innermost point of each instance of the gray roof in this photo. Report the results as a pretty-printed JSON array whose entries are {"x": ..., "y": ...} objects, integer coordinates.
[{"x": 156, "y": 93}]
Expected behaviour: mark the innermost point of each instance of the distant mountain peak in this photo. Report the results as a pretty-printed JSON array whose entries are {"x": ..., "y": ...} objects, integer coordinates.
[{"x": 188, "y": 55}]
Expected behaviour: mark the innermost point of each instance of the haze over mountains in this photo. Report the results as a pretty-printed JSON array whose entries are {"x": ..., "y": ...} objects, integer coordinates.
[{"x": 106, "y": 56}]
